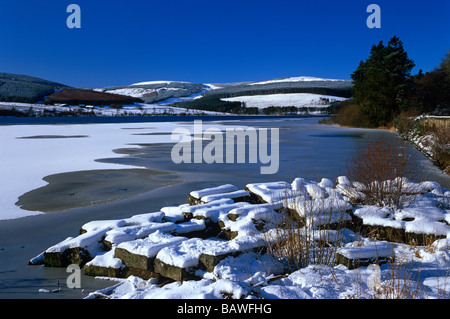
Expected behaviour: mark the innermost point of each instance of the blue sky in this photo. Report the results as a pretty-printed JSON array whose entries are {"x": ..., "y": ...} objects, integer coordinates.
[{"x": 123, "y": 42}]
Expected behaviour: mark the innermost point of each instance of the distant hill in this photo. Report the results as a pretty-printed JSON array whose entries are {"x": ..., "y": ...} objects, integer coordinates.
[
  {"x": 24, "y": 88},
  {"x": 88, "y": 97},
  {"x": 218, "y": 97},
  {"x": 221, "y": 97},
  {"x": 156, "y": 91},
  {"x": 341, "y": 88}
]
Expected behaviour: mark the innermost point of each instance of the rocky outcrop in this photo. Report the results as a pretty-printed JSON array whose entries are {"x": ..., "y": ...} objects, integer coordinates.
[
  {"x": 365, "y": 254},
  {"x": 183, "y": 242}
]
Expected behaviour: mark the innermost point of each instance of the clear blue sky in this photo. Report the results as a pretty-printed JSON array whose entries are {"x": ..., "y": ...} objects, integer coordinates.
[{"x": 123, "y": 42}]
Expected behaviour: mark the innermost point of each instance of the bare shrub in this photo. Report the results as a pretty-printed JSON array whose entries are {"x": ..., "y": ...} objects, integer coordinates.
[
  {"x": 311, "y": 232},
  {"x": 399, "y": 284},
  {"x": 440, "y": 148},
  {"x": 382, "y": 171}
]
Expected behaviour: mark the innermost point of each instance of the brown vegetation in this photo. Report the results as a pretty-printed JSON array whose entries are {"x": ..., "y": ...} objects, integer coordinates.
[
  {"x": 381, "y": 168},
  {"x": 78, "y": 96},
  {"x": 430, "y": 135}
]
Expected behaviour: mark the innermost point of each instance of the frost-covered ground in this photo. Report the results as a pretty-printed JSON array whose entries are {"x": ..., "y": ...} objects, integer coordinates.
[{"x": 290, "y": 99}]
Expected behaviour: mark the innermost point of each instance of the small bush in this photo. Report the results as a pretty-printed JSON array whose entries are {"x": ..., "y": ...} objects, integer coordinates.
[
  {"x": 351, "y": 115},
  {"x": 381, "y": 170},
  {"x": 310, "y": 233}
]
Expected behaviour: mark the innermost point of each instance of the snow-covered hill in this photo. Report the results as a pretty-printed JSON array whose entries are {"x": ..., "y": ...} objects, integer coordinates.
[
  {"x": 292, "y": 99},
  {"x": 157, "y": 91},
  {"x": 168, "y": 92},
  {"x": 293, "y": 79},
  {"x": 167, "y": 97}
]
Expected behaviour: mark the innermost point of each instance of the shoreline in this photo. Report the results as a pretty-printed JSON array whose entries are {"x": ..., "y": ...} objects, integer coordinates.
[
  {"x": 25, "y": 237},
  {"x": 445, "y": 170}
]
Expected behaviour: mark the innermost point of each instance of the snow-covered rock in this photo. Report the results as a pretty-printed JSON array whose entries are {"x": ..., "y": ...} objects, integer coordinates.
[
  {"x": 235, "y": 260},
  {"x": 356, "y": 255}
]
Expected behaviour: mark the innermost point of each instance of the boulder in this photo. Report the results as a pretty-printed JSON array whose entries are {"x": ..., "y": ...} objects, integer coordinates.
[
  {"x": 236, "y": 196},
  {"x": 182, "y": 261},
  {"x": 66, "y": 257},
  {"x": 141, "y": 253},
  {"x": 175, "y": 272},
  {"x": 353, "y": 256},
  {"x": 194, "y": 197},
  {"x": 78, "y": 250},
  {"x": 118, "y": 235}
]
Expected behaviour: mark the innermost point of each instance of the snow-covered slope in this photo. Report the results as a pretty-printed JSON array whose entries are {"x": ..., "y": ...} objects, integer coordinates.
[
  {"x": 175, "y": 91},
  {"x": 292, "y": 99},
  {"x": 294, "y": 79},
  {"x": 154, "y": 82},
  {"x": 157, "y": 91}
]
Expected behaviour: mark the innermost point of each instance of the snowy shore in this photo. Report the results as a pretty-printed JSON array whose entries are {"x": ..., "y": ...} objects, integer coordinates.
[
  {"x": 224, "y": 246},
  {"x": 19, "y": 245}
]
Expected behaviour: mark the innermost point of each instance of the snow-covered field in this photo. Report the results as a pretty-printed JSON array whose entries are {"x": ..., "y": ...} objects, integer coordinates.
[
  {"x": 290, "y": 99},
  {"x": 136, "y": 109}
]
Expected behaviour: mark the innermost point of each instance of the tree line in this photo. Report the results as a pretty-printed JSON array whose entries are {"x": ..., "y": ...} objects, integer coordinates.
[{"x": 384, "y": 88}]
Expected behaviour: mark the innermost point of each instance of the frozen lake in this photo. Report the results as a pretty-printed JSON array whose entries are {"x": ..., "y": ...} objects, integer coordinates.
[{"x": 307, "y": 149}]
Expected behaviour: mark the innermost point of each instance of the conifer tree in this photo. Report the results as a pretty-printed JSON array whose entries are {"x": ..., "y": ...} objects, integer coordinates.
[{"x": 382, "y": 82}]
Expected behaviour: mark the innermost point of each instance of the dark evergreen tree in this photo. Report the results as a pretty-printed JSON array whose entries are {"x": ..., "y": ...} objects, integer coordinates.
[
  {"x": 382, "y": 82},
  {"x": 432, "y": 89}
]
